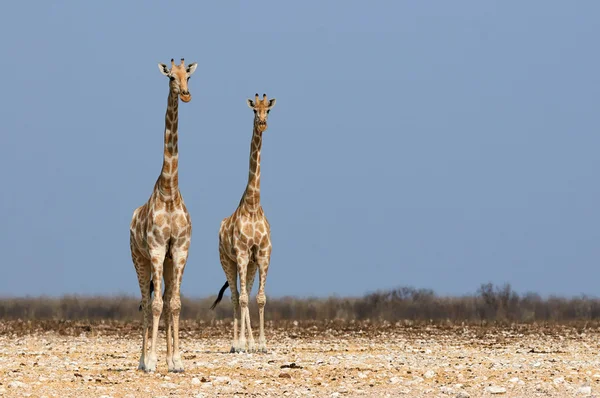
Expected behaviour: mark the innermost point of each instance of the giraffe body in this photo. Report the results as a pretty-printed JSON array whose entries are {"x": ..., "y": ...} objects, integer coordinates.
[
  {"x": 245, "y": 242},
  {"x": 160, "y": 235}
]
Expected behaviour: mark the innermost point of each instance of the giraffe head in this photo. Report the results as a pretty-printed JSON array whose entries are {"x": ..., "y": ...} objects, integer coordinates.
[
  {"x": 179, "y": 76},
  {"x": 261, "y": 110}
]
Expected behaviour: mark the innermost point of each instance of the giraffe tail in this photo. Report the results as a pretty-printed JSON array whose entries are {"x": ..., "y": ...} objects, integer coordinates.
[
  {"x": 151, "y": 290},
  {"x": 220, "y": 296}
]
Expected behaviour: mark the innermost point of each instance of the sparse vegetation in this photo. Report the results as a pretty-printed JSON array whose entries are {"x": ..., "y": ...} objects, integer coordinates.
[{"x": 490, "y": 304}]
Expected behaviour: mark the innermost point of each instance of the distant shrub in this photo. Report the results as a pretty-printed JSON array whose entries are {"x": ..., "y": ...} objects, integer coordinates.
[{"x": 489, "y": 304}]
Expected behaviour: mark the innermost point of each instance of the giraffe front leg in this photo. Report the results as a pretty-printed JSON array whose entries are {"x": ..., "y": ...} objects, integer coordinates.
[
  {"x": 242, "y": 264},
  {"x": 157, "y": 257},
  {"x": 142, "y": 268},
  {"x": 250, "y": 276},
  {"x": 168, "y": 277},
  {"x": 179, "y": 261},
  {"x": 261, "y": 300}
]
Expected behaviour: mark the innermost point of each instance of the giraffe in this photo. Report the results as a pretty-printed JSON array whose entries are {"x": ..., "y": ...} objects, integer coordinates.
[
  {"x": 245, "y": 241},
  {"x": 160, "y": 234}
]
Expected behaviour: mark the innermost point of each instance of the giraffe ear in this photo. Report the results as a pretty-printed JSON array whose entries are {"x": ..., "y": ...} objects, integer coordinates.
[
  {"x": 163, "y": 69},
  {"x": 191, "y": 68},
  {"x": 271, "y": 103},
  {"x": 250, "y": 103}
]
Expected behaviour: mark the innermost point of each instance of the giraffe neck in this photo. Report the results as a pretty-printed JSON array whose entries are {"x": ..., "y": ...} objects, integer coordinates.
[
  {"x": 168, "y": 183},
  {"x": 251, "y": 197}
]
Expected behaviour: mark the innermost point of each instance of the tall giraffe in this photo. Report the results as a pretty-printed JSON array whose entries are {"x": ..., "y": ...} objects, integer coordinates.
[
  {"x": 160, "y": 234},
  {"x": 245, "y": 241}
]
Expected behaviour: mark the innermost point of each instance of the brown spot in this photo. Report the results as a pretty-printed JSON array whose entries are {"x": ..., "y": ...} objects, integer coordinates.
[
  {"x": 158, "y": 237},
  {"x": 155, "y": 260},
  {"x": 174, "y": 163},
  {"x": 167, "y": 167},
  {"x": 159, "y": 219},
  {"x": 264, "y": 241},
  {"x": 181, "y": 220},
  {"x": 159, "y": 205}
]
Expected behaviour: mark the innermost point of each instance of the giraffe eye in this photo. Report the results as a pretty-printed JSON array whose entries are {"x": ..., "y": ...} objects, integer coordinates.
[{"x": 171, "y": 78}]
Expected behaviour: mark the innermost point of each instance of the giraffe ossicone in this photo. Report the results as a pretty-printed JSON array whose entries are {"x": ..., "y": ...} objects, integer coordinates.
[
  {"x": 245, "y": 242},
  {"x": 160, "y": 234}
]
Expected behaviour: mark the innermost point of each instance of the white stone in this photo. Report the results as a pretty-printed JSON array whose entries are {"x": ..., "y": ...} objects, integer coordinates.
[
  {"x": 429, "y": 374},
  {"x": 514, "y": 380},
  {"x": 446, "y": 390},
  {"x": 195, "y": 381},
  {"x": 496, "y": 390},
  {"x": 220, "y": 379},
  {"x": 463, "y": 394},
  {"x": 169, "y": 385},
  {"x": 16, "y": 384},
  {"x": 395, "y": 380},
  {"x": 586, "y": 391},
  {"x": 559, "y": 380}
]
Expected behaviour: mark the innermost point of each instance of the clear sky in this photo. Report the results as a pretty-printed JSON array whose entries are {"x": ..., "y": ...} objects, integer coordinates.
[{"x": 428, "y": 144}]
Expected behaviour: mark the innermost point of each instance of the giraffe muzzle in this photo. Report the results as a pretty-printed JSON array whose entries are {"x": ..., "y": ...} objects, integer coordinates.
[{"x": 185, "y": 96}]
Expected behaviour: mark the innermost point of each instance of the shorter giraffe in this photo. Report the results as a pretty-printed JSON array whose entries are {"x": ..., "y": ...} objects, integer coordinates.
[{"x": 245, "y": 242}]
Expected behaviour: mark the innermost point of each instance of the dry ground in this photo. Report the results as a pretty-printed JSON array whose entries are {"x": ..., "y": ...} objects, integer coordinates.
[{"x": 61, "y": 359}]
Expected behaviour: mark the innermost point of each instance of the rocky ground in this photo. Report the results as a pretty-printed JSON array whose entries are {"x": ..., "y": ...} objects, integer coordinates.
[{"x": 314, "y": 360}]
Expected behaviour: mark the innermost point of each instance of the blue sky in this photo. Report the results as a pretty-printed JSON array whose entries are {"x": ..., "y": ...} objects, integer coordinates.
[{"x": 427, "y": 144}]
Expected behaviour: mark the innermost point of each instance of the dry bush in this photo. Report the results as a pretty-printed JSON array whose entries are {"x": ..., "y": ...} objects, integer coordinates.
[{"x": 490, "y": 304}]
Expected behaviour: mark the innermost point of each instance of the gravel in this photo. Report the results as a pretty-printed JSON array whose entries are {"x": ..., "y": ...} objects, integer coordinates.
[{"x": 313, "y": 361}]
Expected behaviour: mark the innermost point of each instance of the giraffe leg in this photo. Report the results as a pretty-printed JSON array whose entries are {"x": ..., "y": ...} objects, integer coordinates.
[
  {"x": 250, "y": 281},
  {"x": 242, "y": 265},
  {"x": 261, "y": 300},
  {"x": 179, "y": 261},
  {"x": 168, "y": 276},
  {"x": 142, "y": 268},
  {"x": 157, "y": 258}
]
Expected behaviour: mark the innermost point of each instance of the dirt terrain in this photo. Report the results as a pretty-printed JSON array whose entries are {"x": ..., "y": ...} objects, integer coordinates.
[{"x": 63, "y": 359}]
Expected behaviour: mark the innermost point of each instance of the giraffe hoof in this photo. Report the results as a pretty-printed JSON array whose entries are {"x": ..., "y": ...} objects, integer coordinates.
[
  {"x": 176, "y": 370},
  {"x": 151, "y": 367},
  {"x": 177, "y": 366},
  {"x": 142, "y": 365},
  {"x": 232, "y": 350}
]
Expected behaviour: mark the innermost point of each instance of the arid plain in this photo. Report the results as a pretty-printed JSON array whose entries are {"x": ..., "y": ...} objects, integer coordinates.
[{"x": 306, "y": 359}]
